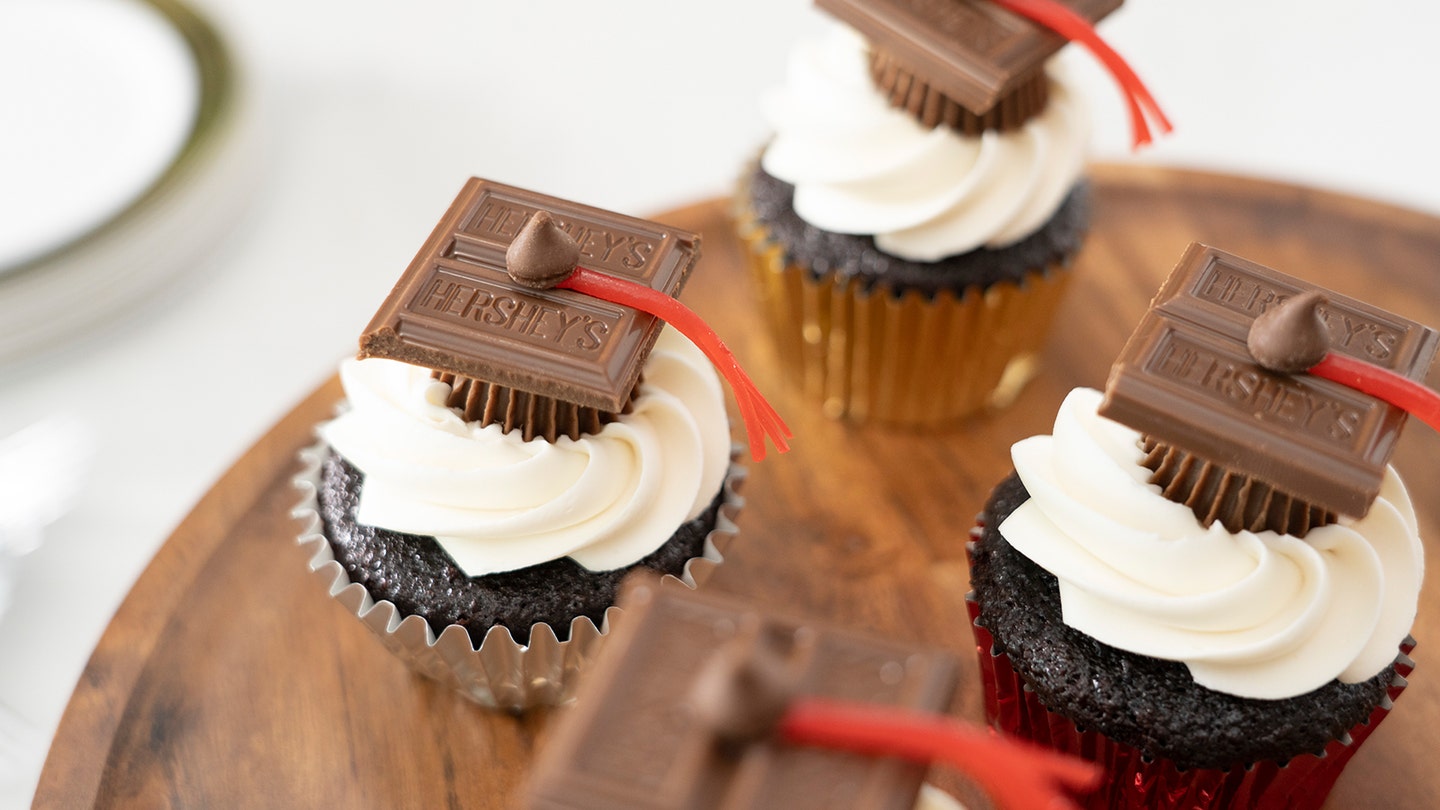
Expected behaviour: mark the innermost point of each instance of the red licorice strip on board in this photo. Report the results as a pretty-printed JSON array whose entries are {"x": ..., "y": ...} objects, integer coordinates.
[{"x": 1017, "y": 776}]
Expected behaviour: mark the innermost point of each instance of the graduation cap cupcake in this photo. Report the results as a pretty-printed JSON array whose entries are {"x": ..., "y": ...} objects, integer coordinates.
[
  {"x": 913, "y": 220},
  {"x": 1206, "y": 577},
  {"x": 509, "y": 449}
]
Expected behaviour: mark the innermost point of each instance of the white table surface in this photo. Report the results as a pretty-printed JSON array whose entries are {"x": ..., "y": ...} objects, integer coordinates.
[{"x": 372, "y": 113}]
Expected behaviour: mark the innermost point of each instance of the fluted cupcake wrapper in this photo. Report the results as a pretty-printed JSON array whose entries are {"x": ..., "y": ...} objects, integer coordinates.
[
  {"x": 1133, "y": 782},
  {"x": 902, "y": 358},
  {"x": 501, "y": 673}
]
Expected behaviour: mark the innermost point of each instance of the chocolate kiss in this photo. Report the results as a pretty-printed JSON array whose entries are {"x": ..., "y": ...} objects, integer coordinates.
[
  {"x": 542, "y": 254},
  {"x": 1291, "y": 337},
  {"x": 742, "y": 692}
]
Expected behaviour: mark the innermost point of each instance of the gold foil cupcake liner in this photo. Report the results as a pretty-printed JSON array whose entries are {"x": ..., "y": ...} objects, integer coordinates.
[
  {"x": 500, "y": 673},
  {"x": 902, "y": 358},
  {"x": 906, "y": 90}
]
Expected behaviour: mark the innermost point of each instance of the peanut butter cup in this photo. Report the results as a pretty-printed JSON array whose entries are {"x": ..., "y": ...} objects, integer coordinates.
[{"x": 967, "y": 64}]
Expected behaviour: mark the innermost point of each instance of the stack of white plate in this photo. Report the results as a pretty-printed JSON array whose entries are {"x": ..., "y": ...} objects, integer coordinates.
[{"x": 124, "y": 157}]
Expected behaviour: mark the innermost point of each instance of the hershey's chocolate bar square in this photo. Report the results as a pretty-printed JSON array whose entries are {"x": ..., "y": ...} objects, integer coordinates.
[
  {"x": 631, "y": 741},
  {"x": 1186, "y": 378},
  {"x": 971, "y": 50},
  {"x": 455, "y": 309}
]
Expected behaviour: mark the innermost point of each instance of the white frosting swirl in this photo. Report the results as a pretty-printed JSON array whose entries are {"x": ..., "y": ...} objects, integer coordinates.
[
  {"x": 860, "y": 166},
  {"x": 1259, "y": 615},
  {"x": 498, "y": 503},
  {"x": 933, "y": 798}
]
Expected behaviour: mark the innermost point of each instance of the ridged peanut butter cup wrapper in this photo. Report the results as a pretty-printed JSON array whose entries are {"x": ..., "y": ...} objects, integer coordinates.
[
  {"x": 1216, "y": 494},
  {"x": 501, "y": 673},
  {"x": 913, "y": 93},
  {"x": 901, "y": 358},
  {"x": 1133, "y": 782}
]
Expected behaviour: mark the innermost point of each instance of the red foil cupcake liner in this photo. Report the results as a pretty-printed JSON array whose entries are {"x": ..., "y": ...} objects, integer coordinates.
[{"x": 1133, "y": 782}]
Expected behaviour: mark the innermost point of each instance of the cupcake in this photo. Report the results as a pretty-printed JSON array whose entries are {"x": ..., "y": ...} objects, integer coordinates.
[
  {"x": 703, "y": 701},
  {"x": 507, "y": 453},
  {"x": 1205, "y": 578},
  {"x": 913, "y": 221}
]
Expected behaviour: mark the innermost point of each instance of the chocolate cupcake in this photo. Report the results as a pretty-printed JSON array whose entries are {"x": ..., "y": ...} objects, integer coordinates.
[
  {"x": 1213, "y": 595},
  {"x": 508, "y": 452},
  {"x": 913, "y": 221}
]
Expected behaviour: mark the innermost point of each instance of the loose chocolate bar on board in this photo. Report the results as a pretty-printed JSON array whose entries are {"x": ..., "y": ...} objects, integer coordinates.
[{"x": 632, "y": 740}]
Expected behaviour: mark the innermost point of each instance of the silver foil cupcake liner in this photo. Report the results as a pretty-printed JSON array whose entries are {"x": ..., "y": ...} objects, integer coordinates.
[{"x": 501, "y": 673}]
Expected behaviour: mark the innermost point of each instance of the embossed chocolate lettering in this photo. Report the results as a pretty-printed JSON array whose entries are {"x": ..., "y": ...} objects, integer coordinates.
[
  {"x": 595, "y": 332},
  {"x": 500, "y": 219},
  {"x": 1238, "y": 383},
  {"x": 456, "y": 301},
  {"x": 613, "y": 241},
  {"x": 1362, "y": 337},
  {"x": 457, "y": 310},
  {"x": 638, "y": 254},
  {"x": 601, "y": 248},
  {"x": 1238, "y": 292}
]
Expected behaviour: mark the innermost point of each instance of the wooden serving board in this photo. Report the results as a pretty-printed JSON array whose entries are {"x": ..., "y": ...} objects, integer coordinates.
[{"x": 227, "y": 678}]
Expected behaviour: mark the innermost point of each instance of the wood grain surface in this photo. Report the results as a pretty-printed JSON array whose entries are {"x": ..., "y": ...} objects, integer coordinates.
[{"x": 228, "y": 679}]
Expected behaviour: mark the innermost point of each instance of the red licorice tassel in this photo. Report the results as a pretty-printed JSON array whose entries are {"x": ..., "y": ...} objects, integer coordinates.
[
  {"x": 761, "y": 420},
  {"x": 1017, "y": 776},
  {"x": 1402, "y": 392},
  {"x": 1065, "y": 22}
]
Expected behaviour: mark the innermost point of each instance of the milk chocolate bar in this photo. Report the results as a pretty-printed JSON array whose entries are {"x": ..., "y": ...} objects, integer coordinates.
[
  {"x": 1187, "y": 379},
  {"x": 456, "y": 310},
  {"x": 972, "y": 51},
  {"x": 635, "y": 739}
]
